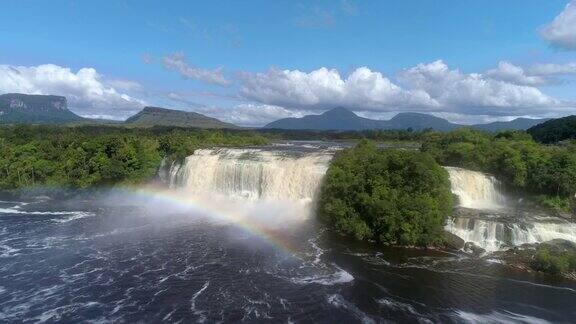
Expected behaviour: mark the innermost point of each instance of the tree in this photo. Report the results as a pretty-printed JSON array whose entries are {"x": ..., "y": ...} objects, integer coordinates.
[{"x": 390, "y": 196}]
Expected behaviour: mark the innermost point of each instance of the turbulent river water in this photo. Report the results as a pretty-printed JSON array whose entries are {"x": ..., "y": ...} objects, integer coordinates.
[{"x": 235, "y": 240}]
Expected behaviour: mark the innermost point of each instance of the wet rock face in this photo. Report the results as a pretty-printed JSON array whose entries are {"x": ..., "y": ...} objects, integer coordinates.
[
  {"x": 473, "y": 249},
  {"x": 453, "y": 241}
]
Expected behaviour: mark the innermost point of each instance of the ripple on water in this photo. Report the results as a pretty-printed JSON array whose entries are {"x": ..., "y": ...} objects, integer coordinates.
[
  {"x": 7, "y": 251},
  {"x": 339, "y": 276},
  {"x": 338, "y": 301},
  {"x": 497, "y": 317}
]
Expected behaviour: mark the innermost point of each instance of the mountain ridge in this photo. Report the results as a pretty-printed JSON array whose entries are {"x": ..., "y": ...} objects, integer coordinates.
[
  {"x": 340, "y": 118},
  {"x": 18, "y": 108},
  {"x": 158, "y": 116}
]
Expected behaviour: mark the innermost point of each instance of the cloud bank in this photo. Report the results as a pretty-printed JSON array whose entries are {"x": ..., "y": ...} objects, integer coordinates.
[
  {"x": 474, "y": 93},
  {"x": 324, "y": 88},
  {"x": 561, "y": 32},
  {"x": 428, "y": 87}
]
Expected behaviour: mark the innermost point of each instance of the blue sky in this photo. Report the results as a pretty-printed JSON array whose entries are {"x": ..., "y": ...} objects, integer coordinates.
[{"x": 253, "y": 61}]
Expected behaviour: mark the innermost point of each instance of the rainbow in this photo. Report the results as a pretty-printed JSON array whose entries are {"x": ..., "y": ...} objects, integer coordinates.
[{"x": 274, "y": 237}]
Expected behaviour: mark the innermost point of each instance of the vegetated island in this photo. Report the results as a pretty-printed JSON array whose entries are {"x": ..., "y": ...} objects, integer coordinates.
[{"x": 390, "y": 196}]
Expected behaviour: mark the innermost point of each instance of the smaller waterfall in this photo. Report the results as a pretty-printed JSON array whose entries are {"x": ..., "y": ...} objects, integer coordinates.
[
  {"x": 495, "y": 235},
  {"x": 500, "y": 230},
  {"x": 476, "y": 190}
]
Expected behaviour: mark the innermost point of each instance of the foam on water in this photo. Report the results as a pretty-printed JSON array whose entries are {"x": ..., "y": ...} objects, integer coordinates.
[
  {"x": 338, "y": 301},
  {"x": 339, "y": 276},
  {"x": 74, "y": 216},
  {"x": 26, "y": 212},
  {"x": 200, "y": 313},
  {"x": 7, "y": 251},
  {"x": 496, "y": 317}
]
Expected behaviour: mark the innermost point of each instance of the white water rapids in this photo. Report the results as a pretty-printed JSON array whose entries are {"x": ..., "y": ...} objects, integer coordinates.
[
  {"x": 500, "y": 228},
  {"x": 252, "y": 174}
]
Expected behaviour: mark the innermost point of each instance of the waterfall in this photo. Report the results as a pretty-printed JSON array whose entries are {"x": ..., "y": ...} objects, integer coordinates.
[
  {"x": 476, "y": 190},
  {"x": 500, "y": 230},
  {"x": 251, "y": 174},
  {"x": 494, "y": 235}
]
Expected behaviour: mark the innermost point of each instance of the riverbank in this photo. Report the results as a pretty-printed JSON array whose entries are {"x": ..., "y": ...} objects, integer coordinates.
[
  {"x": 555, "y": 258},
  {"x": 91, "y": 157}
]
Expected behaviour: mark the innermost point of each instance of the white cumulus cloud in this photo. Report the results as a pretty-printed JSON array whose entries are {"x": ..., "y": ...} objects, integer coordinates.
[
  {"x": 325, "y": 88},
  {"x": 250, "y": 115},
  {"x": 561, "y": 32},
  {"x": 177, "y": 62},
  {"x": 474, "y": 93},
  {"x": 509, "y": 72},
  {"x": 86, "y": 91}
]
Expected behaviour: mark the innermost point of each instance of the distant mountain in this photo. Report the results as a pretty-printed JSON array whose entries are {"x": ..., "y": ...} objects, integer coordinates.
[
  {"x": 344, "y": 119},
  {"x": 418, "y": 122},
  {"x": 16, "y": 108},
  {"x": 335, "y": 119},
  {"x": 555, "y": 130},
  {"x": 156, "y": 116},
  {"x": 518, "y": 123}
]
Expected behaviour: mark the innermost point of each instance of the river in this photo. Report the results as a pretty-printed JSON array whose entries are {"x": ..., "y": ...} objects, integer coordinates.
[{"x": 221, "y": 246}]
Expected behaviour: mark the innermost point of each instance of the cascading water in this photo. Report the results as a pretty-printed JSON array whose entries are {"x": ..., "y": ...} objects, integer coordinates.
[
  {"x": 476, "y": 190},
  {"x": 496, "y": 234},
  {"x": 497, "y": 229},
  {"x": 252, "y": 174}
]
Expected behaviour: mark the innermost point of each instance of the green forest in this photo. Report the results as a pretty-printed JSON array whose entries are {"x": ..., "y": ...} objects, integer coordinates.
[
  {"x": 86, "y": 156},
  {"x": 82, "y": 157},
  {"x": 389, "y": 196},
  {"x": 555, "y": 130}
]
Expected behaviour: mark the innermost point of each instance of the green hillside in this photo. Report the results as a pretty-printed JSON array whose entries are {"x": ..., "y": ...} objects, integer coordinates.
[{"x": 155, "y": 116}]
